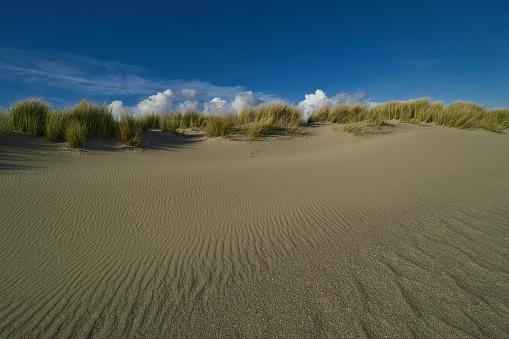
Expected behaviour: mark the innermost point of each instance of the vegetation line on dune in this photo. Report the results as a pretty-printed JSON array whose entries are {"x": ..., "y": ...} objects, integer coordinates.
[{"x": 86, "y": 120}]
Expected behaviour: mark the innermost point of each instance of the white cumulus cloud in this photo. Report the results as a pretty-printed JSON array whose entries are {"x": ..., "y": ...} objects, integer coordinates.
[
  {"x": 186, "y": 99},
  {"x": 319, "y": 98},
  {"x": 242, "y": 99},
  {"x": 217, "y": 105},
  {"x": 158, "y": 103}
]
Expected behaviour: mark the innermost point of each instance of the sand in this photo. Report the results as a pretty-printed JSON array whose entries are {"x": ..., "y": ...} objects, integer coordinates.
[{"x": 320, "y": 235}]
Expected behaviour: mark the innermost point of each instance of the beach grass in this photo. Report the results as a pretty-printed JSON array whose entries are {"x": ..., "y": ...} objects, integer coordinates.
[
  {"x": 252, "y": 123},
  {"x": 272, "y": 118},
  {"x": 76, "y": 134},
  {"x": 170, "y": 122},
  {"x": 87, "y": 120},
  {"x": 4, "y": 122},
  {"x": 28, "y": 116},
  {"x": 98, "y": 119},
  {"x": 220, "y": 125},
  {"x": 192, "y": 119},
  {"x": 130, "y": 130},
  {"x": 150, "y": 121},
  {"x": 55, "y": 129},
  {"x": 461, "y": 115},
  {"x": 365, "y": 128}
]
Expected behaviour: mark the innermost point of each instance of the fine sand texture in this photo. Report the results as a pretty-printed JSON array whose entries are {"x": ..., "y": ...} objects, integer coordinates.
[{"x": 324, "y": 234}]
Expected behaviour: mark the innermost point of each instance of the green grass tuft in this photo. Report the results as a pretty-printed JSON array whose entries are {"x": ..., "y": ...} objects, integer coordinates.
[
  {"x": 56, "y": 126},
  {"x": 150, "y": 121},
  {"x": 274, "y": 117},
  {"x": 171, "y": 122},
  {"x": 130, "y": 130},
  {"x": 98, "y": 119},
  {"x": 220, "y": 125},
  {"x": 5, "y": 126},
  {"x": 365, "y": 128},
  {"x": 462, "y": 115},
  {"x": 192, "y": 119},
  {"x": 76, "y": 134},
  {"x": 29, "y": 116},
  {"x": 496, "y": 119},
  {"x": 246, "y": 116}
]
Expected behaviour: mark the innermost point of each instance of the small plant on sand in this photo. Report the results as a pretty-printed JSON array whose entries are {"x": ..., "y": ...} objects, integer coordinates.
[
  {"x": 320, "y": 115},
  {"x": 496, "y": 119},
  {"x": 246, "y": 116},
  {"x": 171, "y": 122},
  {"x": 5, "y": 127},
  {"x": 258, "y": 128},
  {"x": 274, "y": 117},
  {"x": 364, "y": 128},
  {"x": 98, "y": 119},
  {"x": 129, "y": 130},
  {"x": 29, "y": 116},
  {"x": 56, "y": 126},
  {"x": 462, "y": 115},
  {"x": 343, "y": 114},
  {"x": 76, "y": 134},
  {"x": 220, "y": 125},
  {"x": 150, "y": 121},
  {"x": 192, "y": 119}
]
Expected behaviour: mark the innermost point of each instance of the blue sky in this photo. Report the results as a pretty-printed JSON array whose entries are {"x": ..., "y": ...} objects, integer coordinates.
[{"x": 128, "y": 51}]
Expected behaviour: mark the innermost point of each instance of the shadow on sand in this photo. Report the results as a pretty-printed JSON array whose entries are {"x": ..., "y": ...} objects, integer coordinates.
[{"x": 20, "y": 151}]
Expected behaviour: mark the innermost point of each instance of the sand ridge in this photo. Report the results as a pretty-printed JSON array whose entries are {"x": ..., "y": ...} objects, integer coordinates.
[{"x": 318, "y": 235}]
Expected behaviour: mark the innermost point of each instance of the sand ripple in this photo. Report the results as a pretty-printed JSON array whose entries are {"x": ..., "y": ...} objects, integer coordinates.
[{"x": 357, "y": 239}]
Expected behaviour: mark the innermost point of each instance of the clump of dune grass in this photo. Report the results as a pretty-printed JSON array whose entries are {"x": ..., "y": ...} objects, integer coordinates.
[
  {"x": 5, "y": 126},
  {"x": 462, "y": 115},
  {"x": 343, "y": 114},
  {"x": 405, "y": 111},
  {"x": 271, "y": 118},
  {"x": 192, "y": 119},
  {"x": 98, "y": 119},
  {"x": 365, "y": 128},
  {"x": 220, "y": 125},
  {"x": 130, "y": 130},
  {"x": 150, "y": 121},
  {"x": 340, "y": 114},
  {"x": 76, "y": 134},
  {"x": 246, "y": 116},
  {"x": 253, "y": 122},
  {"x": 170, "y": 122},
  {"x": 496, "y": 119},
  {"x": 28, "y": 116},
  {"x": 56, "y": 125},
  {"x": 320, "y": 115}
]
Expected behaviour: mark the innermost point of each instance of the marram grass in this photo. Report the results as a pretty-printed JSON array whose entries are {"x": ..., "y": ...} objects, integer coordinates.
[
  {"x": 4, "y": 124},
  {"x": 87, "y": 120},
  {"x": 28, "y": 116},
  {"x": 461, "y": 115},
  {"x": 130, "y": 130},
  {"x": 220, "y": 125},
  {"x": 170, "y": 122},
  {"x": 76, "y": 134},
  {"x": 55, "y": 129}
]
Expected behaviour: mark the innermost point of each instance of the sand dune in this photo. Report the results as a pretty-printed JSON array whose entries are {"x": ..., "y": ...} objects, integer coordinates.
[{"x": 320, "y": 235}]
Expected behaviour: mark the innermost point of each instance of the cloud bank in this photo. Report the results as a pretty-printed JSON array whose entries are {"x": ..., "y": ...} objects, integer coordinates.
[
  {"x": 185, "y": 99},
  {"x": 319, "y": 99}
]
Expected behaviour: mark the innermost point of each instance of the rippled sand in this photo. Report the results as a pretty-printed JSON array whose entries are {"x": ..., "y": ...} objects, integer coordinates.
[{"x": 321, "y": 235}]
